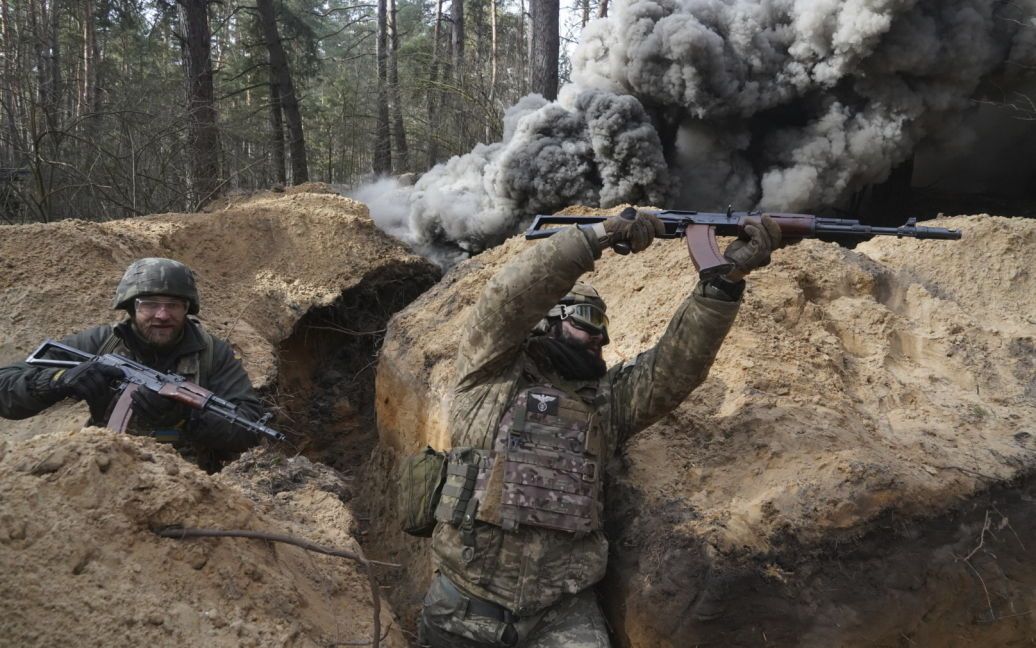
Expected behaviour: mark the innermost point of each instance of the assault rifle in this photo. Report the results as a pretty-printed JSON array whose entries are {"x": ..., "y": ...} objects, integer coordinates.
[
  {"x": 701, "y": 228},
  {"x": 137, "y": 376}
]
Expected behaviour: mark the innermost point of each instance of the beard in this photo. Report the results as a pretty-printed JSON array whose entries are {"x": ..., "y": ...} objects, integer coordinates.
[{"x": 573, "y": 360}]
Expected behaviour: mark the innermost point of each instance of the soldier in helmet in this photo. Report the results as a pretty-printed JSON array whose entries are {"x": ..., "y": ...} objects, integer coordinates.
[
  {"x": 534, "y": 418},
  {"x": 159, "y": 297}
]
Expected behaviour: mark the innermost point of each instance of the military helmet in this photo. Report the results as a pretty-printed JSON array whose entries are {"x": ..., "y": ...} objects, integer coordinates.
[
  {"x": 584, "y": 293},
  {"x": 156, "y": 276}
]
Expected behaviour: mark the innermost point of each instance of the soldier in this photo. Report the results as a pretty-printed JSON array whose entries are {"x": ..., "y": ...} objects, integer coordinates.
[
  {"x": 160, "y": 297},
  {"x": 533, "y": 420}
]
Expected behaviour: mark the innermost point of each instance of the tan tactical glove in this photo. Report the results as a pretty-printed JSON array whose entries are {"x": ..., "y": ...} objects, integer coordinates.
[
  {"x": 753, "y": 246},
  {"x": 631, "y": 231}
]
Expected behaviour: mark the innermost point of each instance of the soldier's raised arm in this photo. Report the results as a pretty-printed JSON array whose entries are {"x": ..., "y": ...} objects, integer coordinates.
[
  {"x": 522, "y": 292},
  {"x": 517, "y": 297},
  {"x": 659, "y": 379}
]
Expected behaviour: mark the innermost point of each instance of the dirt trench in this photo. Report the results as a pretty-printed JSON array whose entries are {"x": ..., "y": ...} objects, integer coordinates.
[
  {"x": 326, "y": 366},
  {"x": 326, "y": 388},
  {"x": 963, "y": 578},
  {"x": 897, "y": 513},
  {"x": 302, "y": 285}
]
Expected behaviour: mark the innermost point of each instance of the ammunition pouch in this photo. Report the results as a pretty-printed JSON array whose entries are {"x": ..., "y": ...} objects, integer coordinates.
[
  {"x": 421, "y": 480},
  {"x": 456, "y": 505}
]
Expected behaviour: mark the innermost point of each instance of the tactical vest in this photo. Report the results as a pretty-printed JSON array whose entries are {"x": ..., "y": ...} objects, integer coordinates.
[
  {"x": 195, "y": 367},
  {"x": 544, "y": 469}
]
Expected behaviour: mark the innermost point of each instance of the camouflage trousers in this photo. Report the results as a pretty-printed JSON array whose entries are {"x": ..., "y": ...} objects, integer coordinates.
[{"x": 450, "y": 619}]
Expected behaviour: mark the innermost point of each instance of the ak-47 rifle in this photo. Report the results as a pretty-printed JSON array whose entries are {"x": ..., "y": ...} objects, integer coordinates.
[
  {"x": 701, "y": 228},
  {"x": 137, "y": 376}
]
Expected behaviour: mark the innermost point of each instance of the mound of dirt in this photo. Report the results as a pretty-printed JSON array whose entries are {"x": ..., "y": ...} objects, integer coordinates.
[
  {"x": 862, "y": 402},
  {"x": 84, "y": 567},
  {"x": 262, "y": 263}
]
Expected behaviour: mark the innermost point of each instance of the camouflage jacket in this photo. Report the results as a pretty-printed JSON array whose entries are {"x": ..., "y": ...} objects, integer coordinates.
[
  {"x": 531, "y": 568},
  {"x": 225, "y": 376}
]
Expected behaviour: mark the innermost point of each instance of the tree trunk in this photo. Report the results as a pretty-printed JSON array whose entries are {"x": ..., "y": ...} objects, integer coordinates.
[
  {"x": 87, "y": 101},
  {"x": 492, "y": 69},
  {"x": 524, "y": 47},
  {"x": 433, "y": 91},
  {"x": 289, "y": 100},
  {"x": 457, "y": 39},
  {"x": 382, "y": 162},
  {"x": 602, "y": 9},
  {"x": 202, "y": 130},
  {"x": 544, "y": 43},
  {"x": 402, "y": 157},
  {"x": 277, "y": 131},
  {"x": 13, "y": 151},
  {"x": 54, "y": 90}
]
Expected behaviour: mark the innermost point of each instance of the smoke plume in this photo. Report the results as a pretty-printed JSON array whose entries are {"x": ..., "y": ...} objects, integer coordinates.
[
  {"x": 792, "y": 104},
  {"x": 778, "y": 104},
  {"x": 592, "y": 148}
]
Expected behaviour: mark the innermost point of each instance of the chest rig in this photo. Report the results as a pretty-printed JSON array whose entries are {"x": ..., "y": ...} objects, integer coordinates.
[
  {"x": 195, "y": 367},
  {"x": 544, "y": 469}
]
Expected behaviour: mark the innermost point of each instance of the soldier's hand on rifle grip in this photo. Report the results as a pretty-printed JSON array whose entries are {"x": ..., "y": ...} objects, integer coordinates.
[
  {"x": 751, "y": 249},
  {"x": 157, "y": 409},
  {"x": 631, "y": 231},
  {"x": 88, "y": 381}
]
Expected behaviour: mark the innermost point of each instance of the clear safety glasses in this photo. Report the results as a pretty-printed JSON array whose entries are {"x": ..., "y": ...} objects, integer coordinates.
[{"x": 148, "y": 307}]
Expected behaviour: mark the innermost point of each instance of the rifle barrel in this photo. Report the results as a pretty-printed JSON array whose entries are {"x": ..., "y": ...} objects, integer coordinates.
[{"x": 854, "y": 229}]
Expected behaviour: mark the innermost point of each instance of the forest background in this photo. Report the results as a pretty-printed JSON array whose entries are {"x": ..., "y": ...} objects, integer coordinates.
[{"x": 115, "y": 108}]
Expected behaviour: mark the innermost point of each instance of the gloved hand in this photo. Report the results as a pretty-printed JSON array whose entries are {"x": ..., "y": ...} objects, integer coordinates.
[
  {"x": 753, "y": 246},
  {"x": 88, "y": 381},
  {"x": 157, "y": 410},
  {"x": 631, "y": 231}
]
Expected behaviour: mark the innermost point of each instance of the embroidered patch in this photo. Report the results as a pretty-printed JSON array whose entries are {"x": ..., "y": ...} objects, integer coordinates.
[{"x": 542, "y": 404}]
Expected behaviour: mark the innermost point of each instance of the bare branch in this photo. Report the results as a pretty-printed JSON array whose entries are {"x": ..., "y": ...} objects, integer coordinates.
[{"x": 182, "y": 533}]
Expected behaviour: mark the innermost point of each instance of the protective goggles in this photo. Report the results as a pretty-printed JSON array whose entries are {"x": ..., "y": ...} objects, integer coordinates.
[
  {"x": 586, "y": 316},
  {"x": 147, "y": 306}
]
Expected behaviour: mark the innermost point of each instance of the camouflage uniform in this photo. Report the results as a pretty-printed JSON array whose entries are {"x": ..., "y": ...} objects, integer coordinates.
[
  {"x": 531, "y": 586},
  {"x": 197, "y": 356}
]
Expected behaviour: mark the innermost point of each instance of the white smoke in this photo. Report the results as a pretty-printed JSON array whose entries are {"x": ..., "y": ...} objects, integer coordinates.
[{"x": 779, "y": 104}]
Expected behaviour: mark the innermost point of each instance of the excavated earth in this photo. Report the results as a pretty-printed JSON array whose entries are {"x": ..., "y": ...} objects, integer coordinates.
[
  {"x": 302, "y": 284},
  {"x": 83, "y": 565},
  {"x": 857, "y": 470}
]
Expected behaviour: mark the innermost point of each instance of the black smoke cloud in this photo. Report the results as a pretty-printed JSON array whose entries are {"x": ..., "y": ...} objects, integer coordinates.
[
  {"x": 592, "y": 147},
  {"x": 782, "y": 104},
  {"x": 792, "y": 104}
]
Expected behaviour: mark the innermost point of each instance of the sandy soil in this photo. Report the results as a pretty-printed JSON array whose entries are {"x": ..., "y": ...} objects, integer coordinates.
[
  {"x": 302, "y": 283},
  {"x": 83, "y": 566},
  {"x": 890, "y": 382},
  {"x": 262, "y": 263},
  {"x": 856, "y": 471}
]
